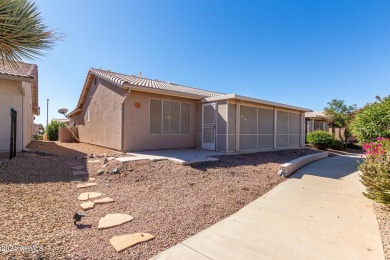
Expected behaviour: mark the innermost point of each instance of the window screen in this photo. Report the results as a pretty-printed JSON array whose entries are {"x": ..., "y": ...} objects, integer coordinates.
[
  {"x": 171, "y": 117},
  {"x": 155, "y": 116},
  {"x": 185, "y": 118},
  {"x": 248, "y": 120}
]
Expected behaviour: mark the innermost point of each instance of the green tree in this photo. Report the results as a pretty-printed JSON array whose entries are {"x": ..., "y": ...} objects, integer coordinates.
[
  {"x": 372, "y": 121},
  {"x": 52, "y": 130},
  {"x": 341, "y": 116},
  {"x": 22, "y": 33}
]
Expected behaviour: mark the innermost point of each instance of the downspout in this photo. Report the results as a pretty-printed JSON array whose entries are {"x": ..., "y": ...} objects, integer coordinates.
[
  {"x": 122, "y": 124},
  {"x": 123, "y": 121}
]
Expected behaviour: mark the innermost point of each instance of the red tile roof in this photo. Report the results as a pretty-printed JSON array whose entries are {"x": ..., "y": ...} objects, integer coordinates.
[
  {"x": 122, "y": 79},
  {"x": 24, "y": 70}
]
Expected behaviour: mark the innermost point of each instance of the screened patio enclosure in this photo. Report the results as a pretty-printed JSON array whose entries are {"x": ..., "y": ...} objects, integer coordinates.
[{"x": 245, "y": 124}]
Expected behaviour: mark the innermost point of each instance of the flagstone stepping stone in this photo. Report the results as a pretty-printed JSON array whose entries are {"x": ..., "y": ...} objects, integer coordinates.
[
  {"x": 94, "y": 161},
  {"x": 120, "y": 243},
  {"x": 89, "y": 195},
  {"x": 103, "y": 201},
  {"x": 110, "y": 158},
  {"x": 86, "y": 185},
  {"x": 75, "y": 173},
  {"x": 91, "y": 179},
  {"x": 87, "y": 205},
  {"x": 79, "y": 167},
  {"x": 113, "y": 220}
]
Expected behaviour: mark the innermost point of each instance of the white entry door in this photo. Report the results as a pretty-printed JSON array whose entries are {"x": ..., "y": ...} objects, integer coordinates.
[{"x": 208, "y": 126}]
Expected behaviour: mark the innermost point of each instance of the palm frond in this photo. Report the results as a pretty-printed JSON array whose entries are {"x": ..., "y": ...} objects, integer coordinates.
[{"x": 22, "y": 32}]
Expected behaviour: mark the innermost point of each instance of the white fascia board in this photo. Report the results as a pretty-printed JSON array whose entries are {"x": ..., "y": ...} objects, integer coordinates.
[{"x": 255, "y": 100}]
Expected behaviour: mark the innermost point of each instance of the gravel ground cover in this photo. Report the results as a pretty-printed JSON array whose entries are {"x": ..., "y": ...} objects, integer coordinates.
[
  {"x": 168, "y": 200},
  {"x": 383, "y": 217}
]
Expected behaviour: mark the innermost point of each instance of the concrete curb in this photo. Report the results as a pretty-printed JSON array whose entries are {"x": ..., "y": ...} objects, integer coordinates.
[{"x": 290, "y": 167}]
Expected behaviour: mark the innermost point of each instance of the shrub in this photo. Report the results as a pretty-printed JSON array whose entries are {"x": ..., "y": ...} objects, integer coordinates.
[
  {"x": 38, "y": 137},
  {"x": 372, "y": 120},
  {"x": 338, "y": 145},
  {"x": 320, "y": 139},
  {"x": 375, "y": 171},
  {"x": 52, "y": 130}
]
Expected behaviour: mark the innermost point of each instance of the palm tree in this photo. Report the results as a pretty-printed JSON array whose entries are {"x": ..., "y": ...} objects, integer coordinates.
[{"x": 22, "y": 33}]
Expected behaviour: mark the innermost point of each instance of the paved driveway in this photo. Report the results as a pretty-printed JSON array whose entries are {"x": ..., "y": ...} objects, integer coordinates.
[{"x": 319, "y": 213}]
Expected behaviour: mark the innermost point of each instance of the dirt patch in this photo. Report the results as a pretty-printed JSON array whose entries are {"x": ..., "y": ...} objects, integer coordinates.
[
  {"x": 168, "y": 200},
  {"x": 70, "y": 149},
  {"x": 383, "y": 217}
]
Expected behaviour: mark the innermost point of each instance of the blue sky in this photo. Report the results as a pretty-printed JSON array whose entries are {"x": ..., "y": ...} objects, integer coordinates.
[{"x": 303, "y": 53}]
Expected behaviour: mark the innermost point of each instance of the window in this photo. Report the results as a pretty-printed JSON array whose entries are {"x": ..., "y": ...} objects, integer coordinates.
[{"x": 169, "y": 117}]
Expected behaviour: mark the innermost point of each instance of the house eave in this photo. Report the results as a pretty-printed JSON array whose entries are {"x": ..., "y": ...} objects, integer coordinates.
[{"x": 74, "y": 112}]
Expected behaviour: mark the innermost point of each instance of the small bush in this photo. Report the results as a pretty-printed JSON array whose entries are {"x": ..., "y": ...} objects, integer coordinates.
[
  {"x": 38, "y": 137},
  {"x": 375, "y": 171},
  {"x": 338, "y": 145},
  {"x": 52, "y": 130},
  {"x": 320, "y": 139}
]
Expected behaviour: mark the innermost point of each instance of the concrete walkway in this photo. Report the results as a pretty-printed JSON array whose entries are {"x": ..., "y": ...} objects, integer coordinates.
[
  {"x": 182, "y": 156},
  {"x": 318, "y": 213}
]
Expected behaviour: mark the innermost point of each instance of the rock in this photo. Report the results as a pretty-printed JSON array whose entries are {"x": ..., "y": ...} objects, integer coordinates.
[
  {"x": 91, "y": 179},
  {"x": 130, "y": 169},
  {"x": 87, "y": 205},
  {"x": 75, "y": 173},
  {"x": 86, "y": 185},
  {"x": 115, "y": 171},
  {"x": 120, "y": 243},
  {"x": 89, "y": 195},
  {"x": 105, "y": 161},
  {"x": 104, "y": 165},
  {"x": 110, "y": 158},
  {"x": 100, "y": 172},
  {"x": 113, "y": 220},
  {"x": 93, "y": 161},
  {"x": 103, "y": 201}
]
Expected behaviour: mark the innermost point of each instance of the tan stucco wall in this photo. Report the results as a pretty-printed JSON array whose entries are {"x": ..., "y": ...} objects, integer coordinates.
[
  {"x": 28, "y": 114},
  {"x": 104, "y": 103},
  {"x": 64, "y": 134},
  {"x": 136, "y": 124},
  {"x": 17, "y": 95}
]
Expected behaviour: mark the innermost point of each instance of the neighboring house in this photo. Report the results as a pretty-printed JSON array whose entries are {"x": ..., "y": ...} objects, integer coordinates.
[
  {"x": 37, "y": 129},
  {"x": 317, "y": 121},
  {"x": 18, "y": 91},
  {"x": 320, "y": 121},
  {"x": 127, "y": 112}
]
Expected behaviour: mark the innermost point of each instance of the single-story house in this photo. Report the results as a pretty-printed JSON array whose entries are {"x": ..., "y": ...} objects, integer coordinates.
[
  {"x": 128, "y": 113},
  {"x": 320, "y": 121},
  {"x": 317, "y": 121},
  {"x": 18, "y": 91}
]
